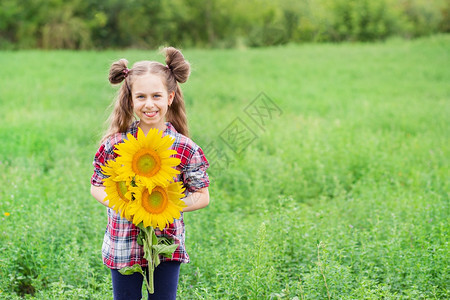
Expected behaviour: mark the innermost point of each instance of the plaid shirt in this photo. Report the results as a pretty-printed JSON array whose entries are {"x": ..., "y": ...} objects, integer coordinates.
[{"x": 120, "y": 248}]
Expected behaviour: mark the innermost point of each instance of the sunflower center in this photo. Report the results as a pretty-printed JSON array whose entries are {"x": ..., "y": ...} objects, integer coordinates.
[
  {"x": 146, "y": 162},
  {"x": 156, "y": 202},
  {"x": 122, "y": 190}
]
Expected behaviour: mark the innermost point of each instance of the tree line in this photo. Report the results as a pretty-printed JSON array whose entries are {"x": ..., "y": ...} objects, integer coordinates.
[{"x": 101, "y": 24}]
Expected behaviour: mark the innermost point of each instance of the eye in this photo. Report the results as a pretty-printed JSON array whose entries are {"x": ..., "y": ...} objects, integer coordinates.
[
  {"x": 140, "y": 97},
  {"x": 157, "y": 96}
]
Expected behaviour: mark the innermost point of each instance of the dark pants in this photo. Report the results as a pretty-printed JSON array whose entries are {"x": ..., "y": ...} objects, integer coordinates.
[{"x": 129, "y": 287}]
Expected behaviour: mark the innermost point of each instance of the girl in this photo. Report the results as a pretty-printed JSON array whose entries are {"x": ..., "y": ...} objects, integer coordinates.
[{"x": 150, "y": 97}]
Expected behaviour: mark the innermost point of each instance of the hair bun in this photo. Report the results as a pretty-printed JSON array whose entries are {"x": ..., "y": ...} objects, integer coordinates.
[
  {"x": 180, "y": 67},
  {"x": 116, "y": 72}
]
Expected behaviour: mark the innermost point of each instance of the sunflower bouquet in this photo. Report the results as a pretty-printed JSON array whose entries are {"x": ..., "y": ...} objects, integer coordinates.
[{"x": 140, "y": 188}]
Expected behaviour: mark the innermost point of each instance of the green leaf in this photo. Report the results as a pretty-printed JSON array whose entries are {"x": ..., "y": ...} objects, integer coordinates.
[
  {"x": 141, "y": 226},
  {"x": 147, "y": 251},
  {"x": 165, "y": 250},
  {"x": 154, "y": 238},
  {"x": 139, "y": 239},
  {"x": 131, "y": 270},
  {"x": 156, "y": 260}
]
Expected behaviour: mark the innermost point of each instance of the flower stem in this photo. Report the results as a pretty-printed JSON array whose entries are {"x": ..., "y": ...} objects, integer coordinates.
[{"x": 148, "y": 239}]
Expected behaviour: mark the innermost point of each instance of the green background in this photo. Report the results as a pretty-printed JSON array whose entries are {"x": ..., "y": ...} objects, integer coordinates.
[{"x": 342, "y": 195}]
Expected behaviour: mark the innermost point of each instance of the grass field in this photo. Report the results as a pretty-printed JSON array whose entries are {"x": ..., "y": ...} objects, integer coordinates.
[{"x": 337, "y": 189}]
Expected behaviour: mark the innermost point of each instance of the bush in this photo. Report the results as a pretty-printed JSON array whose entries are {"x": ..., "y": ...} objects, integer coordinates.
[
  {"x": 78, "y": 24},
  {"x": 361, "y": 20},
  {"x": 421, "y": 17}
]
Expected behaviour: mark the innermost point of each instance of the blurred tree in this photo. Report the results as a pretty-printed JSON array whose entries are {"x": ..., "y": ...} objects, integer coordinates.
[
  {"x": 422, "y": 17},
  {"x": 444, "y": 26},
  {"x": 64, "y": 29},
  {"x": 361, "y": 20},
  {"x": 83, "y": 24}
]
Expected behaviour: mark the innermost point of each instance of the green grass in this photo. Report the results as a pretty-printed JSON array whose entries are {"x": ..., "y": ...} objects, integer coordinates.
[{"x": 345, "y": 194}]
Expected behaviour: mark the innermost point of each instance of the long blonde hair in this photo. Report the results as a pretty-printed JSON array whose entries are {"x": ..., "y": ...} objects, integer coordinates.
[{"x": 176, "y": 71}]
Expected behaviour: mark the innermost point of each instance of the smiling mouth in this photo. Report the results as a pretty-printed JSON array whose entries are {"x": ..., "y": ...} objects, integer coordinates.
[{"x": 150, "y": 114}]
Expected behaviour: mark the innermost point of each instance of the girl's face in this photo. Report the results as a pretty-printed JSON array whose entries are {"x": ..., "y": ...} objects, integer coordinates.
[{"x": 150, "y": 101}]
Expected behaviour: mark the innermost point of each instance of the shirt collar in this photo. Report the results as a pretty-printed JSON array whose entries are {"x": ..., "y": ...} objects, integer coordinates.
[{"x": 170, "y": 130}]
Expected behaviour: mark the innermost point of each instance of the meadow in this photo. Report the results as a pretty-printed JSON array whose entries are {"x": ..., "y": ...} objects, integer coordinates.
[{"x": 337, "y": 189}]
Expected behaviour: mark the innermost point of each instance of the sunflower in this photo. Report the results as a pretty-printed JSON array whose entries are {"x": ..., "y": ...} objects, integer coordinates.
[
  {"x": 119, "y": 192},
  {"x": 147, "y": 158},
  {"x": 159, "y": 206}
]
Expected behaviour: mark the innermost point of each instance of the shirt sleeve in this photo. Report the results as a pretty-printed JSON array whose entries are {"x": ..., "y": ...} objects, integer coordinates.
[
  {"x": 194, "y": 173},
  {"x": 99, "y": 161}
]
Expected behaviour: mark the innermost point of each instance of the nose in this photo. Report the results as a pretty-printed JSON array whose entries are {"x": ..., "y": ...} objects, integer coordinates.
[{"x": 149, "y": 102}]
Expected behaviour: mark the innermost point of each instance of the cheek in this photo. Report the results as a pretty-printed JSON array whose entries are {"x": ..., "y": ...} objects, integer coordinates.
[
  {"x": 134, "y": 103},
  {"x": 136, "y": 106}
]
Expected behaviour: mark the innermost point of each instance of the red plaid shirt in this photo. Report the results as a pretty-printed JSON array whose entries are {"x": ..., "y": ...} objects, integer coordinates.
[{"x": 120, "y": 248}]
